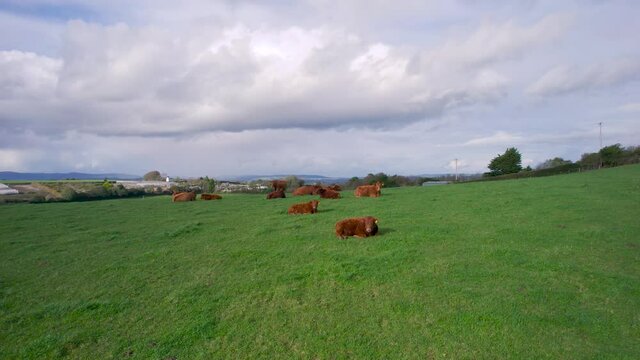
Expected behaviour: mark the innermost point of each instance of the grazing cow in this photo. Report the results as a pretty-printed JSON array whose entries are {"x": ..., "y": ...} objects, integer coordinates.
[
  {"x": 183, "y": 196},
  {"x": 279, "y": 185},
  {"x": 305, "y": 208},
  {"x": 276, "y": 194},
  {"x": 358, "y": 227},
  {"x": 327, "y": 193},
  {"x": 306, "y": 190},
  {"x": 335, "y": 187},
  {"x": 369, "y": 190},
  {"x": 210, "y": 197}
]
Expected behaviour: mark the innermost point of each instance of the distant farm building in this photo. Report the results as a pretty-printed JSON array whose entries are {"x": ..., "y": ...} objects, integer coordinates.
[
  {"x": 232, "y": 186},
  {"x": 5, "y": 190},
  {"x": 130, "y": 184}
]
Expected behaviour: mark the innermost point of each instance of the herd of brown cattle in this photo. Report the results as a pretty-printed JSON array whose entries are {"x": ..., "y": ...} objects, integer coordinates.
[{"x": 358, "y": 227}]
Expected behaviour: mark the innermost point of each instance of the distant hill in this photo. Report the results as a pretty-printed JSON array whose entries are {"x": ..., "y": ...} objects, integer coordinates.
[
  {"x": 307, "y": 178},
  {"x": 10, "y": 175}
]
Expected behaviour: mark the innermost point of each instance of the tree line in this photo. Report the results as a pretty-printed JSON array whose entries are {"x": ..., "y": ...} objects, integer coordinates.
[
  {"x": 506, "y": 165},
  {"x": 609, "y": 156}
]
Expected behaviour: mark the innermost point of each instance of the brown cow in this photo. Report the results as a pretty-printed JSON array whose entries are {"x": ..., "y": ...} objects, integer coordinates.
[
  {"x": 279, "y": 185},
  {"x": 210, "y": 197},
  {"x": 183, "y": 196},
  {"x": 335, "y": 187},
  {"x": 306, "y": 190},
  {"x": 276, "y": 194},
  {"x": 305, "y": 208},
  {"x": 369, "y": 190},
  {"x": 327, "y": 193},
  {"x": 358, "y": 227}
]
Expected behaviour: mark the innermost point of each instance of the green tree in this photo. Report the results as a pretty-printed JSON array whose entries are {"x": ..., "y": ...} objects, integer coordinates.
[
  {"x": 508, "y": 163},
  {"x": 551, "y": 163},
  {"x": 107, "y": 185},
  {"x": 611, "y": 155},
  {"x": 208, "y": 185},
  {"x": 293, "y": 182},
  {"x": 69, "y": 194},
  {"x": 152, "y": 176},
  {"x": 382, "y": 177},
  {"x": 590, "y": 160},
  {"x": 352, "y": 183}
]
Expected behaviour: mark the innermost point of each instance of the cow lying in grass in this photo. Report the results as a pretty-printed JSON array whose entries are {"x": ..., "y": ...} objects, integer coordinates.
[
  {"x": 276, "y": 195},
  {"x": 305, "y": 208},
  {"x": 326, "y": 193},
  {"x": 369, "y": 190},
  {"x": 210, "y": 197},
  {"x": 358, "y": 227},
  {"x": 334, "y": 187},
  {"x": 279, "y": 185},
  {"x": 306, "y": 190},
  {"x": 183, "y": 196}
]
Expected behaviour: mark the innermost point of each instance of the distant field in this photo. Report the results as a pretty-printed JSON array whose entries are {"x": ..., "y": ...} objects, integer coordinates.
[{"x": 534, "y": 268}]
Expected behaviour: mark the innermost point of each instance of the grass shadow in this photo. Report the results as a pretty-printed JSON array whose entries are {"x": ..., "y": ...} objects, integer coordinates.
[{"x": 385, "y": 231}]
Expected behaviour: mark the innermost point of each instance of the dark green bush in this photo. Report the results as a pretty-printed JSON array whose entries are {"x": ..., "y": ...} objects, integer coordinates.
[{"x": 69, "y": 194}]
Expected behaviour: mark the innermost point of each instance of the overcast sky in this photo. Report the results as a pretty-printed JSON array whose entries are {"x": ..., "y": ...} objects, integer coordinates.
[{"x": 336, "y": 88}]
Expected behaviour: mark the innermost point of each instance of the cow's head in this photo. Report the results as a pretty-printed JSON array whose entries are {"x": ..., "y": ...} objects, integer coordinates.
[
  {"x": 314, "y": 205},
  {"x": 370, "y": 223}
]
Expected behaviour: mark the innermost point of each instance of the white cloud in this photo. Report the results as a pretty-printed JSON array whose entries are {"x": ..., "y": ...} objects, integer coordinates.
[
  {"x": 629, "y": 108},
  {"x": 493, "y": 42},
  {"x": 123, "y": 80},
  {"x": 498, "y": 138},
  {"x": 27, "y": 76},
  {"x": 13, "y": 159},
  {"x": 342, "y": 88},
  {"x": 568, "y": 79}
]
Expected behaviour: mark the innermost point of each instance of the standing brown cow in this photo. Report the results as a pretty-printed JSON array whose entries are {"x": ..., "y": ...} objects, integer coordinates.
[
  {"x": 279, "y": 185},
  {"x": 369, "y": 190},
  {"x": 183, "y": 196},
  {"x": 306, "y": 190},
  {"x": 358, "y": 227},
  {"x": 305, "y": 208},
  {"x": 276, "y": 194}
]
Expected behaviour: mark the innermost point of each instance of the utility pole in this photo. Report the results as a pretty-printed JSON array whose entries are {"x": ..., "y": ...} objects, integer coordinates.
[
  {"x": 600, "y": 124},
  {"x": 456, "y": 160}
]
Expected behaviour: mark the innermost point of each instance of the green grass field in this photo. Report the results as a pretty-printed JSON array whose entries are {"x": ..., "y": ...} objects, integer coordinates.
[{"x": 534, "y": 268}]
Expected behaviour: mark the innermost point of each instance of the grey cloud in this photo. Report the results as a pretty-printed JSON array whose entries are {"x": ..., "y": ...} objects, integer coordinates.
[
  {"x": 310, "y": 86},
  {"x": 27, "y": 75},
  {"x": 493, "y": 42},
  {"x": 118, "y": 80},
  {"x": 570, "y": 79}
]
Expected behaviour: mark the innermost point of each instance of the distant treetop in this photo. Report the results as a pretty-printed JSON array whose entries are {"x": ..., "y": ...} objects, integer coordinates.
[
  {"x": 508, "y": 163},
  {"x": 153, "y": 176}
]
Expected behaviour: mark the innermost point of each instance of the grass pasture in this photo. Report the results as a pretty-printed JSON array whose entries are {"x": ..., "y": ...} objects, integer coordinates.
[{"x": 533, "y": 268}]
